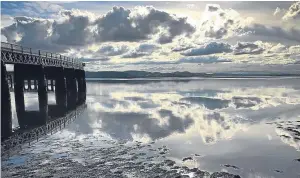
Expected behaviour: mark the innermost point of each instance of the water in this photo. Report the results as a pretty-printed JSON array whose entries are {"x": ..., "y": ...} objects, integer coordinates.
[{"x": 249, "y": 127}]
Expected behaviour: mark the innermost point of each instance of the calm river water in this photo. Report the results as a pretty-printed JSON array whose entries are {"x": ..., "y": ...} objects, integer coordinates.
[{"x": 148, "y": 128}]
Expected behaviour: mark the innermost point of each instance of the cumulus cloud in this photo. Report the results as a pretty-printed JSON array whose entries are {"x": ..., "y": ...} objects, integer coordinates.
[
  {"x": 71, "y": 28},
  {"x": 222, "y": 23},
  {"x": 277, "y": 11},
  {"x": 293, "y": 12},
  {"x": 27, "y": 31},
  {"x": 247, "y": 48},
  {"x": 141, "y": 50},
  {"x": 218, "y": 23},
  {"x": 278, "y": 48},
  {"x": 122, "y": 24},
  {"x": 6, "y": 20},
  {"x": 257, "y": 47},
  {"x": 203, "y": 59},
  {"x": 49, "y": 34},
  {"x": 181, "y": 44},
  {"x": 112, "y": 50},
  {"x": 271, "y": 32},
  {"x": 164, "y": 38},
  {"x": 208, "y": 48},
  {"x": 96, "y": 59},
  {"x": 294, "y": 49},
  {"x": 43, "y": 6}
]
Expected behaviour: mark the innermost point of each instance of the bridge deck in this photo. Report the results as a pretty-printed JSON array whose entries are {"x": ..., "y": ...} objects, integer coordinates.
[{"x": 16, "y": 54}]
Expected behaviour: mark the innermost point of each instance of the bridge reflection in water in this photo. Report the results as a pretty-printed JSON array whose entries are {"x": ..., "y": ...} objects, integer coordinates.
[{"x": 41, "y": 72}]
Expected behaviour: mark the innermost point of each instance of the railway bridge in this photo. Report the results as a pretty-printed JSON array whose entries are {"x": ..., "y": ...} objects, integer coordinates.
[{"x": 41, "y": 72}]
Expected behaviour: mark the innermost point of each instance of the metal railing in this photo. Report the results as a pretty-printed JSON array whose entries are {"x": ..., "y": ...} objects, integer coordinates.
[{"x": 44, "y": 54}]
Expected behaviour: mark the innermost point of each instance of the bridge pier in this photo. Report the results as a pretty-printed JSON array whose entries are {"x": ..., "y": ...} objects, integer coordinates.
[
  {"x": 71, "y": 89},
  {"x": 30, "y": 118},
  {"x": 57, "y": 74},
  {"x": 83, "y": 85},
  {"x": 35, "y": 84},
  {"x": 6, "y": 115},
  {"x": 80, "y": 77}
]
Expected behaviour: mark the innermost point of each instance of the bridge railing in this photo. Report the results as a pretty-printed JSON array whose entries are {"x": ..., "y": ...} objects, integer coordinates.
[{"x": 34, "y": 52}]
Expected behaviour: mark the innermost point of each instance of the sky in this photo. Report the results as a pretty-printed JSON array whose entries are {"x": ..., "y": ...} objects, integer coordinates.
[{"x": 235, "y": 36}]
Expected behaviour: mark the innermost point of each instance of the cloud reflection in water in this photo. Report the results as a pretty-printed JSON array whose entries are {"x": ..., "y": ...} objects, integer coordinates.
[{"x": 156, "y": 110}]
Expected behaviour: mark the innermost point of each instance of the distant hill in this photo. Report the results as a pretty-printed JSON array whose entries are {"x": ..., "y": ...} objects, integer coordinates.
[{"x": 144, "y": 74}]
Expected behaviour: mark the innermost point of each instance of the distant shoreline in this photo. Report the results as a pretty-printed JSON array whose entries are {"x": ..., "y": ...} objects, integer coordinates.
[
  {"x": 143, "y": 75},
  {"x": 187, "y": 78}
]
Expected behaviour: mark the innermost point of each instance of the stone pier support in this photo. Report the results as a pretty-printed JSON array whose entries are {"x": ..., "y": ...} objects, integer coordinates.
[
  {"x": 35, "y": 84},
  {"x": 81, "y": 86},
  {"x": 29, "y": 84},
  {"x": 71, "y": 88},
  {"x": 42, "y": 93},
  {"x": 6, "y": 115},
  {"x": 57, "y": 74},
  {"x": 19, "y": 94},
  {"x": 28, "y": 72},
  {"x": 61, "y": 92}
]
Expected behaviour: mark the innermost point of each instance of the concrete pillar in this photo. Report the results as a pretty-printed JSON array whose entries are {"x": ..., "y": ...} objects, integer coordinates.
[
  {"x": 61, "y": 92},
  {"x": 83, "y": 85},
  {"x": 42, "y": 93},
  {"x": 80, "y": 87},
  {"x": 35, "y": 84},
  {"x": 71, "y": 88},
  {"x": 10, "y": 80},
  {"x": 19, "y": 93},
  {"x": 52, "y": 85},
  {"x": 74, "y": 90},
  {"x": 6, "y": 115},
  {"x": 24, "y": 86},
  {"x": 29, "y": 84},
  {"x": 32, "y": 87}
]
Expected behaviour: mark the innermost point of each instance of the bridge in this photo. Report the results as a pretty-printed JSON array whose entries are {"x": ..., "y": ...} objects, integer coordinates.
[{"x": 41, "y": 72}]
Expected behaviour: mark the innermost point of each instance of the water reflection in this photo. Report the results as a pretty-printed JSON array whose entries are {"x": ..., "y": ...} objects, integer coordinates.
[
  {"x": 222, "y": 120},
  {"x": 142, "y": 109},
  {"x": 248, "y": 127}
]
